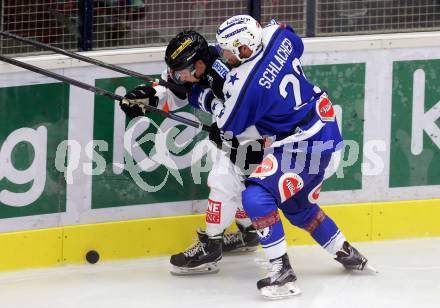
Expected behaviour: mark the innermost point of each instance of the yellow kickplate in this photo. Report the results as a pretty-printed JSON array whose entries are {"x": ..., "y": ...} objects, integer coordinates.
[
  {"x": 169, "y": 235},
  {"x": 26, "y": 249}
]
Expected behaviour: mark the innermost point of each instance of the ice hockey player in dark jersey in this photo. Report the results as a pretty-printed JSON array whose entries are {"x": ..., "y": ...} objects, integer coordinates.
[{"x": 191, "y": 63}]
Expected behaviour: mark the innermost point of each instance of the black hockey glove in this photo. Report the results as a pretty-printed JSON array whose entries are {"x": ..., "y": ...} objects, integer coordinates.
[
  {"x": 245, "y": 156},
  {"x": 134, "y": 101}
]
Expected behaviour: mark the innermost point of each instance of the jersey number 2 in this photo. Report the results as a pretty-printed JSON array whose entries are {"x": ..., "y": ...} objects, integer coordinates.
[{"x": 291, "y": 78}]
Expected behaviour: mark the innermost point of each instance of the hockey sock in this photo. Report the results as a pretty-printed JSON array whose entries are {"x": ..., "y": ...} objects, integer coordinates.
[
  {"x": 242, "y": 218},
  {"x": 326, "y": 233},
  {"x": 321, "y": 227}
]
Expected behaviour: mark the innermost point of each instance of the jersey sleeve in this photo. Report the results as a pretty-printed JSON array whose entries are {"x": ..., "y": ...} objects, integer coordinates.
[
  {"x": 235, "y": 114},
  {"x": 218, "y": 73},
  {"x": 201, "y": 98}
]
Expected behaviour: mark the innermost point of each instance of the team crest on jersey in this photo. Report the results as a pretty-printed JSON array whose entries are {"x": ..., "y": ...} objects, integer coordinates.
[
  {"x": 265, "y": 233},
  {"x": 213, "y": 213},
  {"x": 314, "y": 194},
  {"x": 289, "y": 184},
  {"x": 324, "y": 109},
  {"x": 268, "y": 166}
]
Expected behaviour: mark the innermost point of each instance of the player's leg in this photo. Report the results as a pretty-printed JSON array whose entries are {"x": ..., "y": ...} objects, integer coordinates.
[
  {"x": 202, "y": 257},
  {"x": 245, "y": 239},
  {"x": 327, "y": 234},
  {"x": 224, "y": 204},
  {"x": 302, "y": 211},
  {"x": 261, "y": 207}
]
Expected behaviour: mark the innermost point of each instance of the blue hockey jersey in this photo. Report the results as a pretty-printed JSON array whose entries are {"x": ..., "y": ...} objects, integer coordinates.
[{"x": 269, "y": 95}]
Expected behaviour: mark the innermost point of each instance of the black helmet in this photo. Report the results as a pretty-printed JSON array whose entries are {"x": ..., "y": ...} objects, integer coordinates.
[{"x": 185, "y": 49}]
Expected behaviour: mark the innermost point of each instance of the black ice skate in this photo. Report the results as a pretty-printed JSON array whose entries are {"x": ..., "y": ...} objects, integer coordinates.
[
  {"x": 280, "y": 281},
  {"x": 244, "y": 240},
  {"x": 200, "y": 258},
  {"x": 352, "y": 259}
]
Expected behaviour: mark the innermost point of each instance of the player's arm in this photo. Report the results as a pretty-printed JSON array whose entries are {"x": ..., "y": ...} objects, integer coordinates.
[
  {"x": 237, "y": 136},
  {"x": 202, "y": 97},
  {"x": 154, "y": 95}
]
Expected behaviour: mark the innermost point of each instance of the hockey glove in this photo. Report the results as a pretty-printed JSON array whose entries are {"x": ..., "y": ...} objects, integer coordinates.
[
  {"x": 134, "y": 102},
  {"x": 245, "y": 156}
]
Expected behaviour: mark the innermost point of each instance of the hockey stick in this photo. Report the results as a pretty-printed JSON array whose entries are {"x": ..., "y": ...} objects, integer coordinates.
[
  {"x": 100, "y": 91},
  {"x": 174, "y": 87}
]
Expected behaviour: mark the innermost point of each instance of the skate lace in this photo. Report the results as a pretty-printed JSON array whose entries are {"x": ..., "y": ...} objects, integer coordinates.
[
  {"x": 233, "y": 237},
  {"x": 194, "y": 248},
  {"x": 277, "y": 265}
]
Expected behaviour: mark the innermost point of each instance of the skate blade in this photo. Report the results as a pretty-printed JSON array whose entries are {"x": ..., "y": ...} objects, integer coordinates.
[
  {"x": 369, "y": 269},
  {"x": 280, "y": 292},
  {"x": 241, "y": 250},
  {"x": 208, "y": 268}
]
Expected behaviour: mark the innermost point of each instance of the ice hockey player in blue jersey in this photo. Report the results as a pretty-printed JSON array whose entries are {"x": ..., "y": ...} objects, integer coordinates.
[{"x": 267, "y": 94}]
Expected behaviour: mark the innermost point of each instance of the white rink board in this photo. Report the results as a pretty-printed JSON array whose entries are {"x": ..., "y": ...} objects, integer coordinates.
[{"x": 378, "y": 53}]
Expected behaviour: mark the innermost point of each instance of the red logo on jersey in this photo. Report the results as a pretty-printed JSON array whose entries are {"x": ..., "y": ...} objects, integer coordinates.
[
  {"x": 268, "y": 166},
  {"x": 289, "y": 184},
  {"x": 213, "y": 212},
  {"x": 325, "y": 109},
  {"x": 314, "y": 194}
]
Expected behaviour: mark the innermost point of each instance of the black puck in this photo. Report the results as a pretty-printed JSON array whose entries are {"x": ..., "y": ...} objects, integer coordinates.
[{"x": 92, "y": 256}]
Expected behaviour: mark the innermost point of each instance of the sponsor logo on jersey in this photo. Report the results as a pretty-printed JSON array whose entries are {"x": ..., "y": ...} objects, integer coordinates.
[
  {"x": 325, "y": 109},
  {"x": 268, "y": 166},
  {"x": 181, "y": 48},
  {"x": 314, "y": 194},
  {"x": 289, "y": 184},
  {"x": 220, "y": 68},
  {"x": 213, "y": 213}
]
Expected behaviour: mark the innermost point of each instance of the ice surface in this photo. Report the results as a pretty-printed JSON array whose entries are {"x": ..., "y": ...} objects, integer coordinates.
[{"x": 409, "y": 277}]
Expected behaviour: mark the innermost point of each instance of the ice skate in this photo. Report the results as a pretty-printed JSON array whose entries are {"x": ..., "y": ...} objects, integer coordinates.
[
  {"x": 200, "y": 258},
  {"x": 352, "y": 259},
  {"x": 244, "y": 240},
  {"x": 280, "y": 281}
]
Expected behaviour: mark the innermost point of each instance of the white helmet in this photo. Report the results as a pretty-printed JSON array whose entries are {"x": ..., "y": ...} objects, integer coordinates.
[{"x": 237, "y": 31}]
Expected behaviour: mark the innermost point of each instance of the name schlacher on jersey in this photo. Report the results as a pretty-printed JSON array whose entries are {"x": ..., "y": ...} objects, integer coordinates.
[{"x": 276, "y": 64}]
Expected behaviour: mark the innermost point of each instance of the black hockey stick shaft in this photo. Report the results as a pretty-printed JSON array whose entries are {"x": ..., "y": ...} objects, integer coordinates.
[
  {"x": 99, "y": 91},
  {"x": 174, "y": 87}
]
